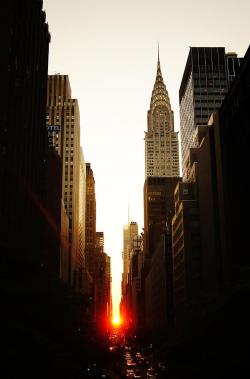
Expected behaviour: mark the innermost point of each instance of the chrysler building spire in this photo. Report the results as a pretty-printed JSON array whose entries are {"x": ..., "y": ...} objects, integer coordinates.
[
  {"x": 159, "y": 93},
  {"x": 159, "y": 74},
  {"x": 161, "y": 141}
]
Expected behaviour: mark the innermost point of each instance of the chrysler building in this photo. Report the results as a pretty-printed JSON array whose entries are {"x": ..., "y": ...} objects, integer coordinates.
[{"x": 161, "y": 141}]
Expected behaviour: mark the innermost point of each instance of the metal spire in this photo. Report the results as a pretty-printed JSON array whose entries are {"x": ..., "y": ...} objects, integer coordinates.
[
  {"x": 159, "y": 92},
  {"x": 158, "y": 53},
  {"x": 158, "y": 62}
]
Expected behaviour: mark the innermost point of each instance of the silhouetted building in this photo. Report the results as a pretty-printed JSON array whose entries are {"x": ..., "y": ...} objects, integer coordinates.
[
  {"x": 201, "y": 238},
  {"x": 130, "y": 231},
  {"x": 158, "y": 212},
  {"x": 56, "y": 248},
  {"x": 158, "y": 209},
  {"x": 90, "y": 220},
  {"x": 206, "y": 79},
  {"x": 82, "y": 216},
  {"x": 232, "y": 131},
  {"x": 161, "y": 141},
  {"x": 186, "y": 251},
  {"x": 159, "y": 286},
  {"x": 108, "y": 281},
  {"x": 102, "y": 282},
  {"x": 23, "y": 136},
  {"x": 64, "y": 257},
  {"x": 135, "y": 281}
]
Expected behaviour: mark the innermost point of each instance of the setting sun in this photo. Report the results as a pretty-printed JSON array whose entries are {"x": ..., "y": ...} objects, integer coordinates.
[{"x": 116, "y": 321}]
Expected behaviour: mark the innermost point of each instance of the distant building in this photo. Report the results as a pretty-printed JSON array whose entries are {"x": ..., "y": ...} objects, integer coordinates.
[
  {"x": 161, "y": 141},
  {"x": 207, "y": 76},
  {"x": 82, "y": 219},
  {"x": 95, "y": 257},
  {"x": 102, "y": 282},
  {"x": 90, "y": 220},
  {"x": 108, "y": 281},
  {"x": 135, "y": 282},
  {"x": 130, "y": 231}
]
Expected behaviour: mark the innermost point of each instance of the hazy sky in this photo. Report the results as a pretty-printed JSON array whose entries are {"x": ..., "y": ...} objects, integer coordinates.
[{"x": 109, "y": 50}]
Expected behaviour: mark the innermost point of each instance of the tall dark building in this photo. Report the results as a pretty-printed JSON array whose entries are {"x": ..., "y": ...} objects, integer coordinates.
[
  {"x": 23, "y": 136},
  {"x": 158, "y": 209},
  {"x": 207, "y": 76},
  {"x": 158, "y": 213},
  {"x": 234, "y": 141},
  {"x": 90, "y": 220},
  {"x": 159, "y": 286}
]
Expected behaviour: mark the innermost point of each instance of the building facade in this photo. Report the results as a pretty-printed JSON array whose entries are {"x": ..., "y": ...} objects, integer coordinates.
[
  {"x": 158, "y": 213},
  {"x": 130, "y": 231},
  {"x": 232, "y": 132},
  {"x": 159, "y": 287},
  {"x": 158, "y": 209},
  {"x": 208, "y": 74},
  {"x": 63, "y": 121},
  {"x": 185, "y": 251}
]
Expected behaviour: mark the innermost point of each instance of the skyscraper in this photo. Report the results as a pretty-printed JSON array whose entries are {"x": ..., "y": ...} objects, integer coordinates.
[
  {"x": 90, "y": 220},
  {"x": 205, "y": 82},
  {"x": 233, "y": 130},
  {"x": 82, "y": 213},
  {"x": 64, "y": 119},
  {"x": 130, "y": 231},
  {"x": 158, "y": 210},
  {"x": 161, "y": 141},
  {"x": 23, "y": 136},
  {"x": 102, "y": 280},
  {"x": 100, "y": 241},
  {"x": 108, "y": 280}
]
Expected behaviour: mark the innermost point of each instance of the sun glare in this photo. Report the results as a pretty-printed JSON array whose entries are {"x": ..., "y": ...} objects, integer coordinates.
[{"x": 116, "y": 321}]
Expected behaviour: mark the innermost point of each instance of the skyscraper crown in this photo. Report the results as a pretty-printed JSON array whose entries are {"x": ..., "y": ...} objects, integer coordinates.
[{"x": 159, "y": 93}]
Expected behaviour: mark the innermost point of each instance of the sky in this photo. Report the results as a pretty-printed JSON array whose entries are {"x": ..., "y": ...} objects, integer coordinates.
[{"x": 109, "y": 50}]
